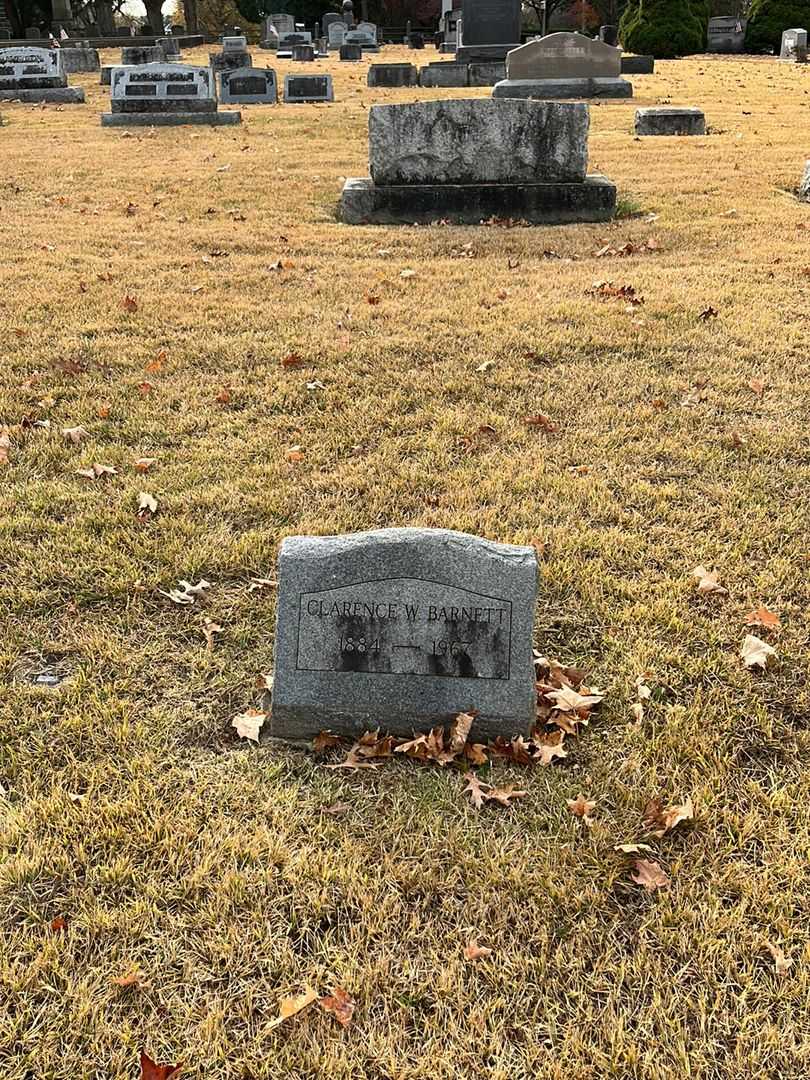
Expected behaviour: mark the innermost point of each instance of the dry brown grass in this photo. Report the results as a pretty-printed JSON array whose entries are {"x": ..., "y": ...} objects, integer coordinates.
[{"x": 210, "y": 866}]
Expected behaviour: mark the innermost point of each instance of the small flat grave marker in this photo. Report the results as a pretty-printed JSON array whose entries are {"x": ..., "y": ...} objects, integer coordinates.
[
  {"x": 249, "y": 86},
  {"x": 299, "y": 89}
]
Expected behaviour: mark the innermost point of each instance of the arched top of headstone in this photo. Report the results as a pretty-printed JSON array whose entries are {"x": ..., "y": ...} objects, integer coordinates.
[{"x": 564, "y": 55}]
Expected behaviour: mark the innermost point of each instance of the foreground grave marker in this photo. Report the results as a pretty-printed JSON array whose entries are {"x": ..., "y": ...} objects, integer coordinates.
[
  {"x": 28, "y": 73},
  {"x": 403, "y": 628},
  {"x": 165, "y": 95}
]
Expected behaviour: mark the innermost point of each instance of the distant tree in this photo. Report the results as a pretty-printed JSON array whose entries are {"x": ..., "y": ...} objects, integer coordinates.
[
  {"x": 629, "y": 15},
  {"x": 664, "y": 29},
  {"x": 22, "y": 13},
  {"x": 768, "y": 18}
]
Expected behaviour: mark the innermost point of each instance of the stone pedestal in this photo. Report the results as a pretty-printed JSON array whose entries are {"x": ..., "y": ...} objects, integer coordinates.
[
  {"x": 553, "y": 89},
  {"x": 563, "y": 65}
]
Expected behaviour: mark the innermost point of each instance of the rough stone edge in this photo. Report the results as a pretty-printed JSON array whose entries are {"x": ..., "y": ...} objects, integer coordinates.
[{"x": 363, "y": 203}]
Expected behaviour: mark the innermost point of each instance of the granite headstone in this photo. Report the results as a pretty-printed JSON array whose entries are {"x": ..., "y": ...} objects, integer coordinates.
[{"x": 403, "y": 629}]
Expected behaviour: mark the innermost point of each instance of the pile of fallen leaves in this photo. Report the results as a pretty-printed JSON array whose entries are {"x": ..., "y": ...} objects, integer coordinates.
[{"x": 563, "y": 705}]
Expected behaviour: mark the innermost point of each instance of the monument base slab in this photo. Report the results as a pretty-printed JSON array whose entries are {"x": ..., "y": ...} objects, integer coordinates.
[
  {"x": 365, "y": 203},
  {"x": 54, "y": 95},
  {"x": 166, "y": 119},
  {"x": 483, "y": 54},
  {"x": 552, "y": 89},
  {"x": 669, "y": 120}
]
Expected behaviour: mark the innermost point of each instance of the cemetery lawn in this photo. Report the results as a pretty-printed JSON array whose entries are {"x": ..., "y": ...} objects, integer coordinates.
[{"x": 186, "y": 295}]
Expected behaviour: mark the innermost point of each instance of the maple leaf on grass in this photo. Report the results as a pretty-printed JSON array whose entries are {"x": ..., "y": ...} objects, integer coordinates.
[
  {"x": 292, "y": 1006},
  {"x": 548, "y": 747},
  {"x": 649, "y": 875},
  {"x": 474, "y": 951},
  {"x": 756, "y": 652},
  {"x": 566, "y": 699},
  {"x": 340, "y": 1005},
  {"x": 248, "y": 724},
  {"x": 150, "y": 1070},
  {"x": 769, "y": 620},
  {"x": 659, "y": 820},
  {"x": 581, "y": 808}
]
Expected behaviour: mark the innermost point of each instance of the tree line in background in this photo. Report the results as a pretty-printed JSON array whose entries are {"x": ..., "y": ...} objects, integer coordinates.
[{"x": 660, "y": 28}]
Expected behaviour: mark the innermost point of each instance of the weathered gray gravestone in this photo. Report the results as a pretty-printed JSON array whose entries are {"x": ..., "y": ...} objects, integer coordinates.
[
  {"x": 302, "y": 89},
  {"x": 794, "y": 46},
  {"x": 726, "y": 34},
  {"x": 31, "y": 74},
  {"x": 164, "y": 94},
  {"x": 467, "y": 161},
  {"x": 248, "y": 86},
  {"x": 670, "y": 120},
  {"x": 489, "y": 29},
  {"x": 563, "y": 65},
  {"x": 402, "y": 629}
]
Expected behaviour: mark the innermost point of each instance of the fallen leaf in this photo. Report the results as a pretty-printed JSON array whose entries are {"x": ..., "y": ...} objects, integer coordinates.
[
  {"x": 354, "y": 760},
  {"x": 758, "y": 386},
  {"x": 151, "y": 1071},
  {"x": 325, "y": 740},
  {"x": 474, "y": 951},
  {"x": 475, "y": 789},
  {"x": 631, "y": 849},
  {"x": 59, "y": 923},
  {"x": 708, "y": 580},
  {"x": 143, "y": 464},
  {"x": 187, "y": 593},
  {"x": 295, "y": 454},
  {"x": 147, "y": 505},
  {"x": 762, "y": 617},
  {"x": 581, "y": 808},
  {"x": 650, "y": 875},
  {"x": 782, "y": 964},
  {"x": 659, "y": 820},
  {"x": 545, "y": 423},
  {"x": 75, "y": 434},
  {"x": 708, "y": 313},
  {"x": 337, "y": 809},
  {"x": 249, "y": 724},
  {"x": 549, "y": 747},
  {"x": 291, "y": 1006},
  {"x": 293, "y": 360},
  {"x": 135, "y": 978},
  {"x": 129, "y": 303},
  {"x": 407, "y": 273},
  {"x": 567, "y": 699},
  {"x": 503, "y": 796},
  {"x": 459, "y": 731},
  {"x": 755, "y": 651},
  {"x": 340, "y": 1004},
  {"x": 97, "y": 471},
  {"x": 224, "y": 395},
  {"x": 209, "y": 629}
]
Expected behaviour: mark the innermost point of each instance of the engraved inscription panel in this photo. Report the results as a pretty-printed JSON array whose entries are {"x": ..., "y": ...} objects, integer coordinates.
[{"x": 405, "y": 626}]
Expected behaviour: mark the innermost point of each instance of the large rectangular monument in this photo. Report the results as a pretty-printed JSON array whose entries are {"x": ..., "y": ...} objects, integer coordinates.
[
  {"x": 164, "y": 95},
  {"x": 402, "y": 629},
  {"x": 489, "y": 29},
  {"x": 467, "y": 161}
]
